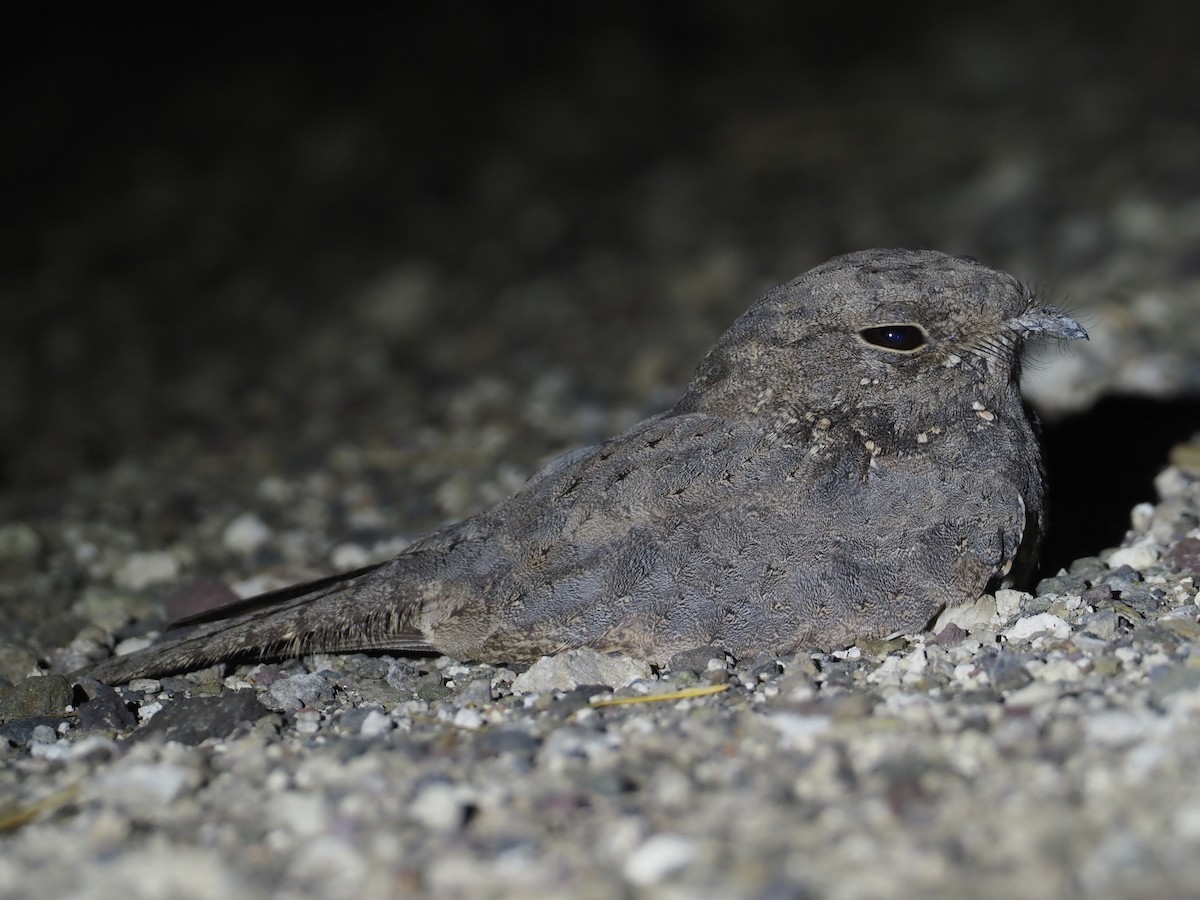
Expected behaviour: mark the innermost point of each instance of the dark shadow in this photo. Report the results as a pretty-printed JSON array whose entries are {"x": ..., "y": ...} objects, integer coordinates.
[{"x": 1101, "y": 462}]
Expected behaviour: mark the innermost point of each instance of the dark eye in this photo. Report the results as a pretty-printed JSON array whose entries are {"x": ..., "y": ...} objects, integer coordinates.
[{"x": 895, "y": 337}]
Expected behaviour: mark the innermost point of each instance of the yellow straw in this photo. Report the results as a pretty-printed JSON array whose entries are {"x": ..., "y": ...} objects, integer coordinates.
[{"x": 684, "y": 694}]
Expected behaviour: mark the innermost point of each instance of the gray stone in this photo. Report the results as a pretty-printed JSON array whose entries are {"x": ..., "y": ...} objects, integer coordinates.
[
  {"x": 38, "y": 695},
  {"x": 299, "y": 691},
  {"x": 190, "y": 720},
  {"x": 573, "y": 668}
]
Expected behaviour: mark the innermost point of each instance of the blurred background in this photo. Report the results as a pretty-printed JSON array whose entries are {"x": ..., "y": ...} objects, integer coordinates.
[{"x": 456, "y": 240}]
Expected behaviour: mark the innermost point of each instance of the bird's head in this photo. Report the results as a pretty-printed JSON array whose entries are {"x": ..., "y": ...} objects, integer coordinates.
[{"x": 893, "y": 334}]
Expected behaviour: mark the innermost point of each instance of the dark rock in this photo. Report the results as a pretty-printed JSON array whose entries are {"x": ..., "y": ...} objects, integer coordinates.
[
  {"x": 39, "y": 695},
  {"x": 764, "y": 667},
  {"x": 191, "y": 720},
  {"x": 1145, "y": 601},
  {"x": 1005, "y": 670},
  {"x": 192, "y": 683},
  {"x": 1184, "y": 556},
  {"x": 1090, "y": 568},
  {"x": 19, "y": 732},
  {"x": 104, "y": 709},
  {"x": 1098, "y": 596},
  {"x": 477, "y": 693},
  {"x": 1122, "y": 579},
  {"x": 365, "y": 667},
  {"x": 1062, "y": 584},
  {"x": 950, "y": 636},
  {"x": 430, "y": 687}
]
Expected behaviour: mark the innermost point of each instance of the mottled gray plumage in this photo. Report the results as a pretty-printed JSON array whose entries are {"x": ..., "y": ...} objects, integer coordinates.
[{"x": 851, "y": 457}]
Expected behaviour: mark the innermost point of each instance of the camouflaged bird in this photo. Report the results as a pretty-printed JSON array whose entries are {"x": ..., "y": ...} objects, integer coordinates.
[{"x": 850, "y": 458}]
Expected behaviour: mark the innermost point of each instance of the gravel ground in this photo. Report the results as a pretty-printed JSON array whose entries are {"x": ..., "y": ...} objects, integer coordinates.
[{"x": 313, "y": 289}]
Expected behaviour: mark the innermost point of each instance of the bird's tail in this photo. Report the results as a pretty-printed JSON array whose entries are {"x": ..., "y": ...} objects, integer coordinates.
[{"x": 355, "y": 611}]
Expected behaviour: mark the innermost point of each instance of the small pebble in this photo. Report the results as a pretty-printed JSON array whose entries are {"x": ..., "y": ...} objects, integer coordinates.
[
  {"x": 573, "y": 668},
  {"x": 440, "y": 807},
  {"x": 1101, "y": 624},
  {"x": 142, "y": 570},
  {"x": 1043, "y": 623},
  {"x": 1137, "y": 557},
  {"x": 348, "y": 556},
  {"x": 660, "y": 856},
  {"x": 1009, "y": 602},
  {"x": 299, "y": 691},
  {"x": 245, "y": 534},
  {"x": 376, "y": 723},
  {"x": 144, "y": 783}
]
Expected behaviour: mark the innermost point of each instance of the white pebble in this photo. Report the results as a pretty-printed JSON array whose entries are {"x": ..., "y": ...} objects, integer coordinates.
[
  {"x": 889, "y": 672},
  {"x": 1186, "y": 824},
  {"x": 970, "y": 675},
  {"x": 59, "y": 751},
  {"x": 131, "y": 645},
  {"x": 565, "y": 671},
  {"x": 1118, "y": 728},
  {"x": 349, "y": 556},
  {"x": 440, "y": 807},
  {"x": 800, "y": 731},
  {"x": 146, "y": 783},
  {"x": 95, "y": 746},
  {"x": 470, "y": 719},
  {"x": 1036, "y": 693},
  {"x": 275, "y": 489},
  {"x": 1137, "y": 557},
  {"x": 375, "y": 723},
  {"x": 970, "y": 617},
  {"x": 141, "y": 570},
  {"x": 661, "y": 855},
  {"x": 1058, "y": 670},
  {"x": 1027, "y": 626},
  {"x": 1141, "y": 516},
  {"x": 43, "y": 734},
  {"x": 914, "y": 665},
  {"x": 149, "y": 711},
  {"x": 246, "y": 533},
  {"x": 308, "y": 721},
  {"x": 1009, "y": 602}
]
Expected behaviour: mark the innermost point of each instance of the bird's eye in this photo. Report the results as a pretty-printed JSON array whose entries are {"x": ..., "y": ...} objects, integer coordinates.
[{"x": 902, "y": 337}]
